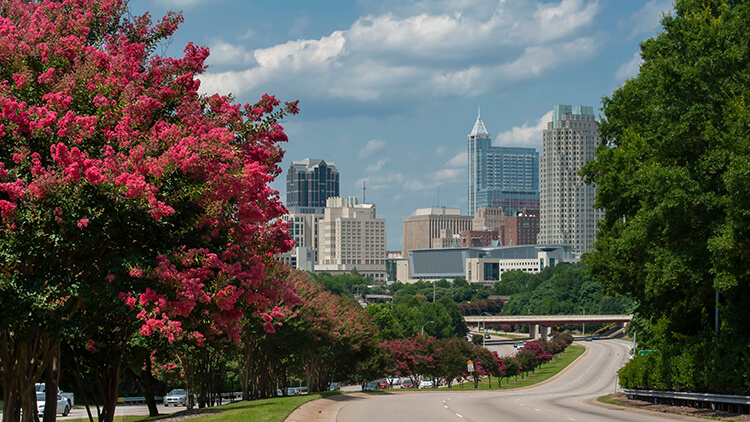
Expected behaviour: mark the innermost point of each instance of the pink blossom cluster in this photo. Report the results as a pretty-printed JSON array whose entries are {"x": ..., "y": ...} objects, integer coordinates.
[{"x": 120, "y": 128}]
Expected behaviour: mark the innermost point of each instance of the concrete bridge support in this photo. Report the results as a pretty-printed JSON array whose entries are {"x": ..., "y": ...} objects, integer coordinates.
[
  {"x": 533, "y": 330},
  {"x": 545, "y": 332}
]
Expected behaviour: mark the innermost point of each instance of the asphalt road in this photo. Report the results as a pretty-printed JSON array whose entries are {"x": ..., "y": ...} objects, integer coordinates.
[{"x": 559, "y": 400}]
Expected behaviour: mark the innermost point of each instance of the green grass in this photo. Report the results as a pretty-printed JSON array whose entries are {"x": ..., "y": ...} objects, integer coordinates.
[
  {"x": 544, "y": 373},
  {"x": 276, "y": 409},
  {"x": 609, "y": 400}
]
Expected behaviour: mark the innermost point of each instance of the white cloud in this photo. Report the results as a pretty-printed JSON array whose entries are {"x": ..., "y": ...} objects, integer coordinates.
[
  {"x": 371, "y": 146},
  {"x": 381, "y": 181},
  {"x": 647, "y": 19},
  {"x": 440, "y": 151},
  {"x": 630, "y": 68},
  {"x": 448, "y": 174},
  {"x": 417, "y": 185},
  {"x": 223, "y": 53},
  {"x": 180, "y": 4},
  {"x": 419, "y": 51},
  {"x": 527, "y": 135},
  {"x": 558, "y": 20},
  {"x": 460, "y": 160},
  {"x": 372, "y": 168}
]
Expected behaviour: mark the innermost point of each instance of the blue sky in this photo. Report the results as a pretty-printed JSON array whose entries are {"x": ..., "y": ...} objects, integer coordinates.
[{"x": 390, "y": 89}]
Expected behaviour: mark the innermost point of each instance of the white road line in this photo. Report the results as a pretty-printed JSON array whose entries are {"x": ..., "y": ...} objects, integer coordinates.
[{"x": 459, "y": 415}]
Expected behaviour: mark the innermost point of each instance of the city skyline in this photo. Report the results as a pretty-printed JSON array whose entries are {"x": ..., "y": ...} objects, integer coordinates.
[{"x": 389, "y": 91}]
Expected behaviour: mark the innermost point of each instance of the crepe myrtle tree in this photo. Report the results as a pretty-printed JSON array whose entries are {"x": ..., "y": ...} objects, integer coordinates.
[{"x": 123, "y": 188}]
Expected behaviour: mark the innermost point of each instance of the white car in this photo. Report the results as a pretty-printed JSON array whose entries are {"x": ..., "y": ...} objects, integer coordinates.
[
  {"x": 426, "y": 383},
  {"x": 177, "y": 397},
  {"x": 63, "y": 404}
]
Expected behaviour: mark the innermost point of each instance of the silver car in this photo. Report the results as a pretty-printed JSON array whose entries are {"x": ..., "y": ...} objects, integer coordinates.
[
  {"x": 63, "y": 404},
  {"x": 177, "y": 397}
]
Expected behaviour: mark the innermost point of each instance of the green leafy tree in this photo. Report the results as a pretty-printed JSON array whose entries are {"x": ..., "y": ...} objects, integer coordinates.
[{"x": 672, "y": 173}]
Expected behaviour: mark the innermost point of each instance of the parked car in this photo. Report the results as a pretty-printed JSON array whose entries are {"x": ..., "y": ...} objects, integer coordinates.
[
  {"x": 393, "y": 380},
  {"x": 406, "y": 383},
  {"x": 40, "y": 387},
  {"x": 63, "y": 404},
  {"x": 519, "y": 345},
  {"x": 176, "y": 397},
  {"x": 372, "y": 385},
  {"x": 291, "y": 391},
  {"x": 426, "y": 383},
  {"x": 486, "y": 335},
  {"x": 334, "y": 386}
]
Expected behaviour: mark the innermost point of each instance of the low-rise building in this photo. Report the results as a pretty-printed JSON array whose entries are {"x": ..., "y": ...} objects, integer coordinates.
[{"x": 483, "y": 265}]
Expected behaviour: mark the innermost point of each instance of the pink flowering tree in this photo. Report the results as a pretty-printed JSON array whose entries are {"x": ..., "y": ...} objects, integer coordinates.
[
  {"x": 335, "y": 335},
  {"x": 410, "y": 357},
  {"x": 123, "y": 191}
]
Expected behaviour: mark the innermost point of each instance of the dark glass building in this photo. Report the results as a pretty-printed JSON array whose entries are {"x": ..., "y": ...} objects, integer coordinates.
[{"x": 308, "y": 184}]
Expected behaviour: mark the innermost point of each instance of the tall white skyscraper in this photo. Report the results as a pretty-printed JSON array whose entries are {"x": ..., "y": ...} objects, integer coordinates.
[{"x": 567, "y": 204}]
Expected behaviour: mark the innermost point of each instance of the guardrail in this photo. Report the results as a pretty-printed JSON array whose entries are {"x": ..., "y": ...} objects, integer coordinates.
[
  {"x": 129, "y": 401},
  {"x": 126, "y": 401},
  {"x": 724, "y": 402}
]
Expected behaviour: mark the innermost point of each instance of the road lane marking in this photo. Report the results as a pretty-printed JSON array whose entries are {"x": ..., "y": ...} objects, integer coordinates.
[{"x": 459, "y": 415}]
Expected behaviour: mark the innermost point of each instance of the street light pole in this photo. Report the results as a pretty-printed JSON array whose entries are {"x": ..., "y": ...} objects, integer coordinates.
[
  {"x": 584, "y": 324},
  {"x": 428, "y": 322}
]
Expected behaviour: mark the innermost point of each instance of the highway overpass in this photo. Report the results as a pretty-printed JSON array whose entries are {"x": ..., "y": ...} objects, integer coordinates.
[{"x": 540, "y": 324}]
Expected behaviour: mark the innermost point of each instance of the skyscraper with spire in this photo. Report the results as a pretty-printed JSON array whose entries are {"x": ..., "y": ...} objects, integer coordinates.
[{"x": 500, "y": 176}]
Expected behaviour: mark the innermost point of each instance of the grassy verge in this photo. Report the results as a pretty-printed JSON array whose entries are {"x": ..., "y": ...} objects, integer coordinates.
[
  {"x": 276, "y": 409},
  {"x": 543, "y": 373},
  {"x": 609, "y": 400}
]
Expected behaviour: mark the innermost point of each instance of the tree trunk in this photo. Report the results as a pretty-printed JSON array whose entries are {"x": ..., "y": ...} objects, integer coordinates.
[
  {"x": 81, "y": 390},
  {"x": 52, "y": 378},
  {"x": 146, "y": 384},
  {"x": 110, "y": 377},
  {"x": 24, "y": 362}
]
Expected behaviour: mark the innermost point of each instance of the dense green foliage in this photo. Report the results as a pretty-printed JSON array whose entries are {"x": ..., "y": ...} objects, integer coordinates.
[
  {"x": 673, "y": 175},
  {"x": 564, "y": 289}
]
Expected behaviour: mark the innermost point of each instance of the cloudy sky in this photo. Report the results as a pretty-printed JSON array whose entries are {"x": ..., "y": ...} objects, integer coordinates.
[{"x": 389, "y": 89}]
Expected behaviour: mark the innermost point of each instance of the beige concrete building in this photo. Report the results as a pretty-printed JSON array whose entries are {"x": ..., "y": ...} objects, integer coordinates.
[
  {"x": 488, "y": 218},
  {"x": 351, "y": 236},
  {"x": 567, "y": 213},
  {"x": 304, "y": 230},
  {"x": 488, "y": 271},
  {"x": 422, "y": 228}
]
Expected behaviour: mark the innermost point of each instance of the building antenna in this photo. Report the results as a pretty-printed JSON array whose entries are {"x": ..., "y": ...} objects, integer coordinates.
[
  {"x": 364, "y": 195},
  {"x": 438, "y": 188}
]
